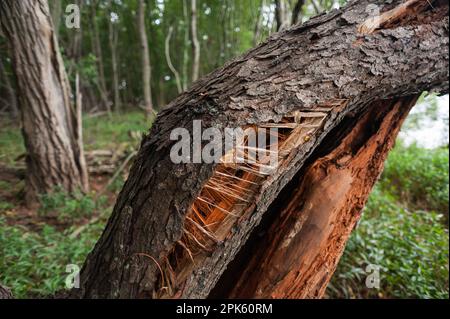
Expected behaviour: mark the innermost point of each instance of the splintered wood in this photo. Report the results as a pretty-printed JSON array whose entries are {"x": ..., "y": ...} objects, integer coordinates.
[
  {"x": 408, "y": 9},
  {"x": 230, "y": 193}
]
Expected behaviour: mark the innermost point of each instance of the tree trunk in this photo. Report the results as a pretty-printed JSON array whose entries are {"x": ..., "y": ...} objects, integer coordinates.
[
  {"x": 113, "y": 39},
  {"x": 296, "y": 12},
  {"x": 338, "y": 88},
  {"x": 258, "y": 24},
  {"x": 48, "y": 117},
  {"x": 195, "y": 42},
  {"x": 186, "y": 45},
  {"x": 282, "y": 14},
  {"x": 169, "y": 60},
  {"x": 74, "y": 47},
  {"x": 146, "y": 66},
  {"x": 295, "y": 251},
  {"x": 97, "y": 48}
]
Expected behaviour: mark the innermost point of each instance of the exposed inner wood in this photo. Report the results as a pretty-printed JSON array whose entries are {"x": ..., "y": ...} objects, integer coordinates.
[
  {"x": 400, "y": 15},
  {"x": 226, "y": 197},
  {"x": 299, "y": 251}
]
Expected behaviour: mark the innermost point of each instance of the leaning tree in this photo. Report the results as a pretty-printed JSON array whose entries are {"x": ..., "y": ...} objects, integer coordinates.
[
  {"x": 50, "y": 122},
  {"x": 337, "y": 88}
]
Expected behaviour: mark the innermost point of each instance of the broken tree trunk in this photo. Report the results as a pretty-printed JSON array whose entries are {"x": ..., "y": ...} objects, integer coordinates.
[
  {"x": 49, "y": 121},
  {"x": 338, "y": 95},
  {"x": 295, "y": 250}
]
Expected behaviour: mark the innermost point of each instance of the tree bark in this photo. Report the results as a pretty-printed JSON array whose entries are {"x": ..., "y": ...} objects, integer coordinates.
[
  {"x": 169, "y": 60},
  {"x": 330, "y": 72},
  {"x": 296, "y": 12},
  {"x": 113, "y": 39},
  {"x": 146, "y": 66},
  {"x": 56, "y": 12},
  {"x": 48, "y": 118},
  {"x": 296, "y": 250},
  {"x": 282, "y": 14},
  {"x": 97, "y": 48},
  {"x": 195, "y": 42},
  {"x": 186, "y": 45},
  {"x": 258, "y": 24},
  {"x": 74, "y": 51}
]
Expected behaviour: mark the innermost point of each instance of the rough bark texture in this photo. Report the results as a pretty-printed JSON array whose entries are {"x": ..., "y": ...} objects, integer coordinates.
[
  {"x": 48, "y": 117},
  {"x": 325, "y": 63},
  {"x": 146, "y": 66}
]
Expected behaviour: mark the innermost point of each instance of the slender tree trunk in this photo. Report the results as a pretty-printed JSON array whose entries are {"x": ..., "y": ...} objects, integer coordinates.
[
  {"x": 146, "y": 64},
  {"x": 162, "y": 92},
  {"x": 317, "y": 8},
  {"x": 224, "y": 42},
  {"x": 54, "y": 157},
  {"x": 185, "y": 45},
  {"x": 195, "y": 42},
  {"x": 338, "y": 87},
  {"x": 74, "y": 51},
  {"x": 258, "y": 24},
  {"x": 169, "y": 60},
  {"x": 282, "y": 14},
  {"x": 76, "y": 47},
  {"x": 113, "y": 39},
  {"x": 296, "y": 12},
  {"x": 97, "y": 48}
]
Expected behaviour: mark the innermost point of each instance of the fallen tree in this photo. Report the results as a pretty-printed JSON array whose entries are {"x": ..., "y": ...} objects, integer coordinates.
[{"x": 338, "y": 88}]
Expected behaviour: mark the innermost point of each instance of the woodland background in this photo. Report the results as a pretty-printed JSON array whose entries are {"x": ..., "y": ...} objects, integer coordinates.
[{"x": 404, "y": 228}]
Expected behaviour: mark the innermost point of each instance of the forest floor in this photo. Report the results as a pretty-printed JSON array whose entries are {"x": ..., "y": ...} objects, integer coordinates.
[{"x": 403, "y": 232}]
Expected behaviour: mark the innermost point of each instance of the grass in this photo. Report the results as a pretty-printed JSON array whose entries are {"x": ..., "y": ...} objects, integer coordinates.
[
  {"x": 34, "y": 263},
  {"x": 69, "y": 208},
  {"x": 11, "y": 142},
  {"x": 107, "y": 133},
  {"x": 410, "y": 247},
  {"x": 418, "y": 178}
]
